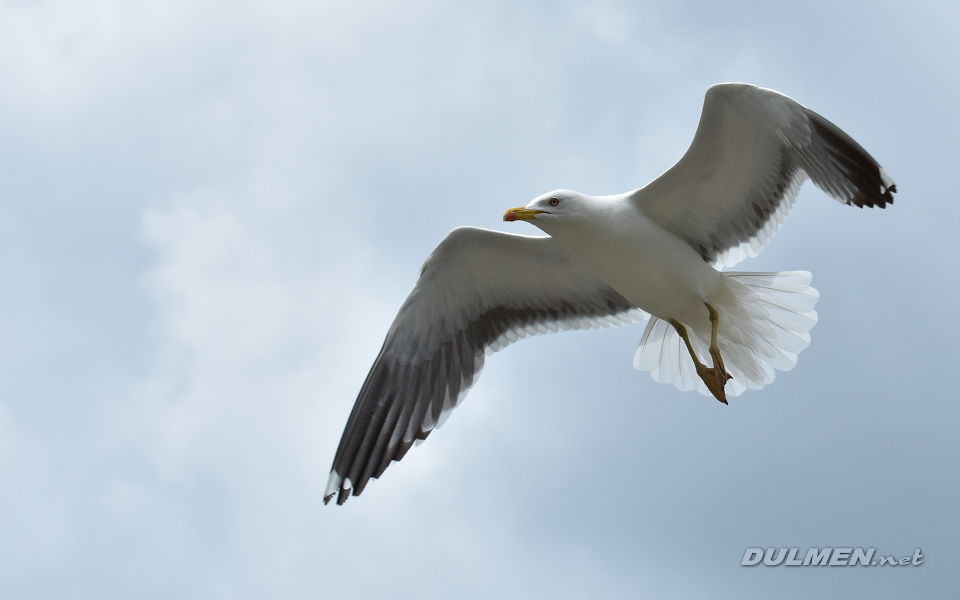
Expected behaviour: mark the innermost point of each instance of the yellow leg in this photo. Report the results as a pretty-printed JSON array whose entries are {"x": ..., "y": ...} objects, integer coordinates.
[
  {"x": 709, "y": 376},
  {"x": 718, "y": 367}
]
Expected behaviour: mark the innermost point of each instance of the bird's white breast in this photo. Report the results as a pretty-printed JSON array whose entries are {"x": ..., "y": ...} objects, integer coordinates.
[{"x": 652, "y": 268}]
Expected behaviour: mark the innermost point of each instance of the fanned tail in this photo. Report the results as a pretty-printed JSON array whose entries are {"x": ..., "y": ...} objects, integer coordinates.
[{"x": 762, "y": 331}]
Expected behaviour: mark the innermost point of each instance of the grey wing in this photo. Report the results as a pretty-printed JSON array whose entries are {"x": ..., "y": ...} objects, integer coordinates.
[
  {"x": 753, "y": 149},
  {"x": 478, "y": 292}
]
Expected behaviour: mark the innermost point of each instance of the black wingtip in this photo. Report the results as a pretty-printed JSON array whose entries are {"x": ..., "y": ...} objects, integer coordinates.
[
  {"x": 336, "y": 485},
  {"x": 343, "y": 495},
  {"x": 865, "y": 199},
  {"x": 872, "y": 185}
]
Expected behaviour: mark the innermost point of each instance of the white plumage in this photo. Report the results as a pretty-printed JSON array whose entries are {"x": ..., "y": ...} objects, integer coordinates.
[
  {"x": 775, "y": 324},
  {"x": 612, "y": 260}
]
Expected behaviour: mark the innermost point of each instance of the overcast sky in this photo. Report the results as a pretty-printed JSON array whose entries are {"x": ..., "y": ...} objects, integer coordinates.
[{"x": 210, "y": 213}]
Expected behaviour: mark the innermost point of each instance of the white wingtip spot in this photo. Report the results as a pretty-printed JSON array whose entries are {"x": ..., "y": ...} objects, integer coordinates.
[
  {"x": 333, "y": 484},
  {"x": 885, "y": 179}
]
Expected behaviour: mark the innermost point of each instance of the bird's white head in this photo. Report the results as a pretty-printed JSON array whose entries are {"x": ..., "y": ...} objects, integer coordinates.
[{"x": 554, "y": 207}]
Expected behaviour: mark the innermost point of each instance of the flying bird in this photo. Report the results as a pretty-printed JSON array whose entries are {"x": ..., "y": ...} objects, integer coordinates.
[{"x": 653, "y": 253}]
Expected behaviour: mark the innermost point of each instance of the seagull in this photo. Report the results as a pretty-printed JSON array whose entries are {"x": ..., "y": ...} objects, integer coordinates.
[{"x": 654, "y": 253}]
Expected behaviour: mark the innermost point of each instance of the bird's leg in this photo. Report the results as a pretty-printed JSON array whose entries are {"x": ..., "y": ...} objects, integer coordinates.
[
  {"x": 708, "y": 376},
  {"x": 718, "y": 367}
]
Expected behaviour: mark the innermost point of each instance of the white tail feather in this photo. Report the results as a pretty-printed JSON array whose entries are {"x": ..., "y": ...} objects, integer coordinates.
[{"x": 763, "y": 330}]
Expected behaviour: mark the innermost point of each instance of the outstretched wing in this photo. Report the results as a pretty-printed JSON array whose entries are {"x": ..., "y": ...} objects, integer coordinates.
[
  {"x": 753, "y": 149},
  {"x": 478, "y": 292}
]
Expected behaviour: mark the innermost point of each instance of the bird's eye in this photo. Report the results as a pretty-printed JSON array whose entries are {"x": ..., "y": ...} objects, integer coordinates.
[{"x": 554, "y": 201}]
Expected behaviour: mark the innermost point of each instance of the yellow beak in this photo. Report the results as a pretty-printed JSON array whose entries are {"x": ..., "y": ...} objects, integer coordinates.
[{"x": 521, "y": 214}]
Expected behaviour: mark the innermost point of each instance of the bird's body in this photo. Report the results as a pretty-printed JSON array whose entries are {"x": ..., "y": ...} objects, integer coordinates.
[
  {"x": 653, "y": 269},
  {"x": 650, "y": 253}
]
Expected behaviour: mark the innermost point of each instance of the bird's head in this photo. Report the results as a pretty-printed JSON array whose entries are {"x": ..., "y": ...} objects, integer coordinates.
[{"x": 553, "y": 207}]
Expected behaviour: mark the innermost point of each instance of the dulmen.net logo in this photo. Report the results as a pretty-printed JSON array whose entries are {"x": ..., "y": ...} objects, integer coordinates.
[{"x": 826, "y": 557}]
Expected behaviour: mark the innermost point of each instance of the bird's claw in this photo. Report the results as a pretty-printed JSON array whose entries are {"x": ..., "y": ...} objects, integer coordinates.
[
  {"x": 718, "y": 366},
  {"x": 717, "y": 377},
  {"x": 709, "y": 377}
]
